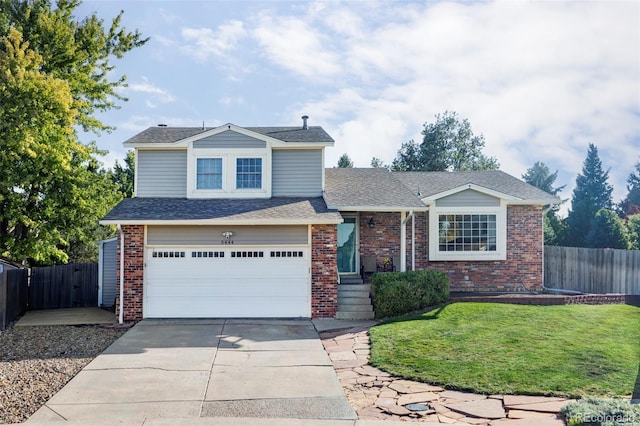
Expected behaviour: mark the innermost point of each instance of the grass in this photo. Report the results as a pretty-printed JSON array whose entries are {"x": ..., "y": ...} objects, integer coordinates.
[{"x": 572, "y": 351}]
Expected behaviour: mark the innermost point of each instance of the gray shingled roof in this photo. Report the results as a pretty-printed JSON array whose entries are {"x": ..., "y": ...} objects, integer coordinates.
[
  {"x": 351, "y": 187},
  {"x": 276, "y": 209},
  {"x": 432, "y": 183},
  {"x": 375, "y": 188},
  {"x": 285, "y": 134}
]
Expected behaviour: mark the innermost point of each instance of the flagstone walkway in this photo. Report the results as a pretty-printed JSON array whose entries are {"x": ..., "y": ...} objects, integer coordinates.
[{"x": 376, "y": 395}]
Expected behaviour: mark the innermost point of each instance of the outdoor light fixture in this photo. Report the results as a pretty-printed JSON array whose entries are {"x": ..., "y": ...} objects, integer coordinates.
[
  {"x": 227, "y": 234},
  {"x": 372, "y": 224}
]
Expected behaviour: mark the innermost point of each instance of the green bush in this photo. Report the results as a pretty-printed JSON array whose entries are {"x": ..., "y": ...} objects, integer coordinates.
[
  {"x": 601, "y": 412},
  {"x": 398, "y": 293}
]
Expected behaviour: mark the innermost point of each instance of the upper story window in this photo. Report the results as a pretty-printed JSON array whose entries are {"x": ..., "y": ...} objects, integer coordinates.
[
  {"x": 209, "y": 173},
  {"x": 249, "y": 173}
]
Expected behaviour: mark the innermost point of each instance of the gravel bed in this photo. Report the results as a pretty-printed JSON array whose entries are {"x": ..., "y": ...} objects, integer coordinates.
[{"x": 36, "y": 362}]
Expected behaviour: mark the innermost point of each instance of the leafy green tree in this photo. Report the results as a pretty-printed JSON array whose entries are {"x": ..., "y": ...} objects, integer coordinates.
[
  {"x": 631, "y": 203},
  {"x": 633, "y": 230},
  {"x": 607, "y": 231},
  {"x": 55, "y": 73},
  {"x": 591, "y": 194},
  {"x": 123, "y": 176},
  {"x": 78, "y": 52},
  {"x": 447, "y": 145},
  {"x": 540, "y": 176},
  {"x": 377, "y": 163},
  {"x": 344, "y": 162}
]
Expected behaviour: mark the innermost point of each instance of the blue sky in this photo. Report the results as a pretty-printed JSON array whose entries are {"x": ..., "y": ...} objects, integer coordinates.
[{"x": 540, "y": 80}]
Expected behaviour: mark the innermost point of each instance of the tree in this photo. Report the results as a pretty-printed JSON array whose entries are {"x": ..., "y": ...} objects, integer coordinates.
[
  {"x": 591, "y": 194},
  {"x": 377, "y": 163},
  {"x": 541, "y": 177},
  {"x": 633, "y": 230},
  {"x": 631, "y": 203},
  {"x": 123, "y": 176},
  {"x": 78, "y": 52},
  {"x": 607, "y": 231},
  {"x": 344, "y": 162},
  {"x": 54, "y": 75},
  {"x": 447, "y": 145}
]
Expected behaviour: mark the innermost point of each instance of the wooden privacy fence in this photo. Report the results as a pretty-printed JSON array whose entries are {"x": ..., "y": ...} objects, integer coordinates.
[
  {"x": 14, "y": 295},
  {"x": 65, "y": 286},
  {"x": 592, "y": 270}
]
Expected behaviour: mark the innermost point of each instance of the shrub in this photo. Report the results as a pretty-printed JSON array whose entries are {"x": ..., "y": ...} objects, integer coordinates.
[
  {"x": 397, "y": 293},
  {"x": 601, "y": 412}
]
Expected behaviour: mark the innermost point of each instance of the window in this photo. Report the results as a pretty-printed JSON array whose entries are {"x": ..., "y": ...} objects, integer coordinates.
[
  {"x": 249, "y": 173},
  {"x": 209, "y": 173},
  {"x": 467, "y": 232}
]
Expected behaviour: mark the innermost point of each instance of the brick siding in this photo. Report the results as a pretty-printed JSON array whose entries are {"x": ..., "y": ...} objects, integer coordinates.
[
  {"x": 324, "y": 271},
  {"x": 521, "y": 271},
  {"x": 133, "y": 272}
]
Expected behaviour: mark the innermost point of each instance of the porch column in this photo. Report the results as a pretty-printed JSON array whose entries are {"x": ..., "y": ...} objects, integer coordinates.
[{"x": 403, "y": 241}]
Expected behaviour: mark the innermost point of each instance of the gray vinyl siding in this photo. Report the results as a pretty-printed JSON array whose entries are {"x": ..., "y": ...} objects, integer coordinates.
[
  {"x": 109, "y": 268},
  {"x": 297, "y": 172},
  {"x": 162, "y": 174},
  {"x": 468, "y": 198},
  {"x": 229, "y": 139},
  {"x": 212, "y": 235}
]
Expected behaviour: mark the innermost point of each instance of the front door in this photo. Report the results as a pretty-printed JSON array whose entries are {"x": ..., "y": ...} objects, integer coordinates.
[{"x": 347, "y": 246}]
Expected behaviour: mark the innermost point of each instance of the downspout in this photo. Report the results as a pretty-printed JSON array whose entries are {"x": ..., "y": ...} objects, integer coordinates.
[
  {"x": 121, "y": 307},
  {"x": 403, "y": 241}
]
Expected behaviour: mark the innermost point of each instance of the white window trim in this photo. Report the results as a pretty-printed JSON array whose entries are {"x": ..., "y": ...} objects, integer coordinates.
[
  {"x": 229, "y": 157},
  {"x": 501, "y": 234},
  {"x": 196, "y": 175}
]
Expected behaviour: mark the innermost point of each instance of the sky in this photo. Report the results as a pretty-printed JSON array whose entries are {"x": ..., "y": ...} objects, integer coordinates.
[{"x": 539, "y": 79}]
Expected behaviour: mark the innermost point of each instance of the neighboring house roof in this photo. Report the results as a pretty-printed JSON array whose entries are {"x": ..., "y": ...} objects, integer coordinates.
[
  {"x": 276, "y": 210},
  {"x": 168, "y": 135},
  {"x": 429, "y": 184},
  {"x": 367, "y": 189},
  {"x": 7, "y": 264},
  {"x": 379, "y": 189}
]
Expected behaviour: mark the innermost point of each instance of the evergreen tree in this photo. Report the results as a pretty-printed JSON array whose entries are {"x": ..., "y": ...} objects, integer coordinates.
[
  {"x": 344, "y": 162},
  {"x": 591, "y": 194},
  {"x": 123, "y": 176},
  {"x": 447, "y": 145},
  {"x": 631, "y": 204},
  {"x": 607, "y": 231},
  {"x": 377, "y": 163},
  {"x": 541, "y": 177}
]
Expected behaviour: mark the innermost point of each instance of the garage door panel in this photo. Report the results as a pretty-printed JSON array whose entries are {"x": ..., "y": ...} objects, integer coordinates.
[{"x": 250, "y": 282}]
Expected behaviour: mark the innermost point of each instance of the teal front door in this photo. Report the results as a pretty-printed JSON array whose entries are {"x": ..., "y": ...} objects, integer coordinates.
[{"x": 347, "y": 246}]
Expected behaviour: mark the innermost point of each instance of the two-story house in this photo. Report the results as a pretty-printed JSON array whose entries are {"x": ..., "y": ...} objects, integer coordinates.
[{"x": 247, "y": 222}]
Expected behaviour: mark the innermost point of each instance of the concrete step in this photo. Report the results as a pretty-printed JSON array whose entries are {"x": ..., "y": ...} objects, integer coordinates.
[
  {"x": 354, "y": 287},
  {"x": 355, "y": 308},
  {"x": 354, "y": 300},
  {"x": 350, "y": 280},
  {"x": 354, "y": 315}
]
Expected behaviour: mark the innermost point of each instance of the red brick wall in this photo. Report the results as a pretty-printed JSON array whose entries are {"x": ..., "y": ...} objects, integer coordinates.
[
  {"x": 324, "y": 271},
  {"x": 521, "y": 271},
  {"x": 133, "y": 272},
  {"x": 383, "y": 240}
]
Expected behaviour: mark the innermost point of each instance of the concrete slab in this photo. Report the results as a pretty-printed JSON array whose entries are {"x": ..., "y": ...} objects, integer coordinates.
[
  {"x": 135, "y": 411},
  {"x": 244, "y": 421},
  {"x": 145, "y": 336},
  {"x": 236, "y": 383},
  {"x": 299, "y": 408},
  {"x": 132, "y": 385},
  {"x": 67, "y": 316},
  {"x": 176, "y": 359},
  {"x": 241, "y": 358}
]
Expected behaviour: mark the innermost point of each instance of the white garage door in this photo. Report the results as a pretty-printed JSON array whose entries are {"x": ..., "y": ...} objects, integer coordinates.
[{"x": 218, "y": 283}]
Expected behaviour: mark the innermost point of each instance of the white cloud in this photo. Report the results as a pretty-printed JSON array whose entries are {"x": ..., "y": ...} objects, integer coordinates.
[
  {"x": 145, "y": 86},
  {"x": 205, "y": 43}
]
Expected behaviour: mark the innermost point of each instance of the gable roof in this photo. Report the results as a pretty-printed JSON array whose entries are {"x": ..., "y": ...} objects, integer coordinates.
[
  {"x": 430, "y": 184},
  {"x": 169, "y": 135},
  {"x": 265, "y": 211},
  {"x": 378, "y": 189}
]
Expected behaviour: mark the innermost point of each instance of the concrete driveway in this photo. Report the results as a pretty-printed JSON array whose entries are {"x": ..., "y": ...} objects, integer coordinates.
[{"x": 187, "y": 369}]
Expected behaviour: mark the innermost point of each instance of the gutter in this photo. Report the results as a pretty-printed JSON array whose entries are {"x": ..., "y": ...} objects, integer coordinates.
[{"x": 121, "y": 307}]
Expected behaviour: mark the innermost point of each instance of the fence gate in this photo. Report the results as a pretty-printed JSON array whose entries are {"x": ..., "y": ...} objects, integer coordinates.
[
  {"x": 65, "y": 286},
  {"x": 13, "y": 295}
]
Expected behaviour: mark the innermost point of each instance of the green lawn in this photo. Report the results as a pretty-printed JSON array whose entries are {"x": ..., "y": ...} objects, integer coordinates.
[{"x": 516, "y": 349}]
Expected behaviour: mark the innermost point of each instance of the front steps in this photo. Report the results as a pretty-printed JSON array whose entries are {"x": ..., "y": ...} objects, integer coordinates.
[{"x": 354, "y": 300}]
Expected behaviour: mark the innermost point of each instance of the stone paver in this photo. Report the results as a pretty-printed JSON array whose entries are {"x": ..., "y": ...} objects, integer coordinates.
[{"x": 376, "y": 395}]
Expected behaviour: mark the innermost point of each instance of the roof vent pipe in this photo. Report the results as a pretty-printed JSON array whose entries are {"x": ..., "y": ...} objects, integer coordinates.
[
  {"x": 304, "y": 122},
  {"x": 162, "y": 125}
]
